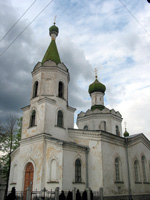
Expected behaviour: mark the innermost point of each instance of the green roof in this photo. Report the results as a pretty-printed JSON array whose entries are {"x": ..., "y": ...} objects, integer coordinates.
[
  {"x": 126, "y": 134},
  {"x": 52, "y": 53},
  {"x": 96, "y": 86},
  {"x": 99, "y": 107}
]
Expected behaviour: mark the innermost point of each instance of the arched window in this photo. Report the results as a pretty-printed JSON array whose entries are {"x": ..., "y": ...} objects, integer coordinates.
[
  {"x": 136, "y": 171},
  {"x": 61, "y": 89},
  {"x": 14, "y": 178},
  {"x": 102, "y": 126},
  {"x": 53, "y": 172},
  {"x": 117, "y": 169},
  {"x": 117, "y": 131},
  {"x": 144, "y": 169},
  {"x": 32, "y": 121},
  {"x": 60, "y": 118},
  {"x": 85, "y": 127},
  {"x": 35, "y": 89},
  {"x": 78, "y": 170}
]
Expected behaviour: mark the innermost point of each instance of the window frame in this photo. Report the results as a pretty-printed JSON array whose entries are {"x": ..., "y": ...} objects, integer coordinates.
[
  {"x": 33, "y": 119},
  {"x": 60, "y": 119},
  {"x": 143, "y": 161},
  {"x": 78, "y": 170},
  {"x": 35, "y": 89},
  {"x": 61, "y": 89},
  {"x": 117, "y": 170}
]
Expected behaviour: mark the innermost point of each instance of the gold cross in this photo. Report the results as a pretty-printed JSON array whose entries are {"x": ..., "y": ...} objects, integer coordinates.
[
  {"x": 55, "y": 19},
  {"x": 125, "y": 124},
  {"x": 96, "y": 73}
]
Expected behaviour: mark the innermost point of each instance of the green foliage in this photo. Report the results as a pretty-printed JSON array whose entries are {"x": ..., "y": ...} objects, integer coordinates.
[{"x": 9, "y": 141}]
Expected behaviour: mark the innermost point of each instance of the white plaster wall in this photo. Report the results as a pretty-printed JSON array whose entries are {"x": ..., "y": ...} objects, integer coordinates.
[
  {"x": 69, "y": 158},
  {"x": 110, "y": 152},
  {"x": 54, "y": 151},
  {"x": 93, "y": 122},
  {"x": 28, "y": 131},
  {"x": 135, "y": 153},
  {"x": 94, "y": 160},
  {"x": 32, "y": 151}
]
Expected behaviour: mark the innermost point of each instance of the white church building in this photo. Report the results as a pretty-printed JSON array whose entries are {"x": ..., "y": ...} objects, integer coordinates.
[{"x": 97, "y": 154}]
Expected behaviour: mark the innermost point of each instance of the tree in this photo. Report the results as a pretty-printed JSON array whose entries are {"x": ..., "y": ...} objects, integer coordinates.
[{"x": 9, "y": 140}]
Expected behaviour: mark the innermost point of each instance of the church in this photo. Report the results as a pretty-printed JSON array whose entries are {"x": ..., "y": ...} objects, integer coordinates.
[{"x": 53, "y": 153}]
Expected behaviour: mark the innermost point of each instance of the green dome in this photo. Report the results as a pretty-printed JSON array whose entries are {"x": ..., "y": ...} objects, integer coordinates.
[
  {"x": 96, "y": 86},
  {"x": 126, "y": 134},
  {"x": 54, "y": 29}
]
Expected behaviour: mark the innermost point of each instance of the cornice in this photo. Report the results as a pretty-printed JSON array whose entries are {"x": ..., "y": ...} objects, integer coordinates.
[{"x": 25, "y": 108}]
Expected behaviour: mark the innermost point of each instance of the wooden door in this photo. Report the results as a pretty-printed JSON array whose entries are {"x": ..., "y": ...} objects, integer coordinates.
[{"x": 29, "y": 173}]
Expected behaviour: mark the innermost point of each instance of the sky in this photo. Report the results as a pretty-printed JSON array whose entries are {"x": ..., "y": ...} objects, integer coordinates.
[{"x": 103, "y": 34}]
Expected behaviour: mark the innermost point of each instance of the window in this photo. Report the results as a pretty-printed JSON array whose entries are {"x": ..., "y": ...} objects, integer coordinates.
[
  {"x": 102, "y": 126},
  {"x": 78, "y": 170},
  {"x": 117, "y": 131},
  {"x": 32, "y": 123},
  {"x": 53, "y": 171},
  {"x": 60, "y": 118},
  {"x": 144, "y": 169},
  {"x": 14, "y": 176},
  {"x": 35, "y": 89},
  {"x": 60, "y": 89},
  {"x": 136, "y": 171},
  {"x": 85, "y": 127},
  {"x": 117, "y": 169}
]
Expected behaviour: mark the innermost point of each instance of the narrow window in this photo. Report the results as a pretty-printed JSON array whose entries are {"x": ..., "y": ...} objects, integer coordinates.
[
  {"x": 53, "y": 172},
  {"x": 33, "y": 118},
  {"x": 85, "y": 127},
  {"x": 78, "y": 170},
  {"x": 60, "y": 90},
  {"x": 117, "y": 169},
  {"x": 102, "y": 126},
  {"x": 144, "y": 169},
  {"x": 35, "y": 89},
  {"x": 136, "y": 172},
  {"x": 14, "y": 179},
  {"x": 60, "y": 118},
  {"x": 117, "y": 131}
]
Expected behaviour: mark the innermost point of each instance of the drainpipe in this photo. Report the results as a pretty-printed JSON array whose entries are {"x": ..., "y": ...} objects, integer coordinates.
[
  {"x": 87, "y": 178},
  {"x": 129, "y": 184}
]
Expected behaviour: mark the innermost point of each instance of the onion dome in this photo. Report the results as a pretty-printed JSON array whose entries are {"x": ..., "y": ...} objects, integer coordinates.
[
  {"x": 54, "y": 29},
  {"x": 96, "y": 86},
  {"x": 126, "y": 134}
]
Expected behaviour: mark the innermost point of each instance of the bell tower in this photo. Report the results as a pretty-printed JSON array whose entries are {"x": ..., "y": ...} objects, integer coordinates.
[{"x": 48, "y": 111}]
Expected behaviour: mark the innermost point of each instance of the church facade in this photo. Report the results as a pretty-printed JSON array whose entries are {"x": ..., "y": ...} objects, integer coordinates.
[{"x": 54, "y": 154}]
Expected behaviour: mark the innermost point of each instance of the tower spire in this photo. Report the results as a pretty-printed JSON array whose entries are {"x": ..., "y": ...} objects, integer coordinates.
[{"x": 52, "y": 52}]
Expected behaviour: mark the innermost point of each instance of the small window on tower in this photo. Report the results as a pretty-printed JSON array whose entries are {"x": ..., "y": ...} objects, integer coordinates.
[
  {"x": 85, "y": 127},
  {"x": 35, "y": 89},
  {"x": 60, "y": 118},
  {"x": 32, "y": 121},
  {"x": 61, "y": 90},
  {"x": 117, "y": 131}
]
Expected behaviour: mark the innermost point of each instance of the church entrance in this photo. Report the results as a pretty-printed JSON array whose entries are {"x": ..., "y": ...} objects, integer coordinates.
[{"x": 29, "y": 172}]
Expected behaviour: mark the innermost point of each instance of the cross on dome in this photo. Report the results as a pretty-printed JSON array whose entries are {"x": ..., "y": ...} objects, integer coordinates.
[
  {"x": 55, "y": 19},
  {"x": 96, "y": 73}
]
